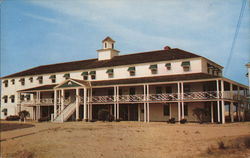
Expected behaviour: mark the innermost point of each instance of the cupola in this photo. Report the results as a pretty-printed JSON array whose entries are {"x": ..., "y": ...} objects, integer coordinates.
[{"x": 108, "y": 49}]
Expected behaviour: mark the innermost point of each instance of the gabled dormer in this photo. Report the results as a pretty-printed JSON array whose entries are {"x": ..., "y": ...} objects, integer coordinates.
[{"x": 108, "y": 49}]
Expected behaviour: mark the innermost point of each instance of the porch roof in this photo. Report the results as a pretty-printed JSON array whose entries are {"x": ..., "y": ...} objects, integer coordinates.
[
  {"x": 39, "y": 88},
  {"x": 166, "y": 78}
]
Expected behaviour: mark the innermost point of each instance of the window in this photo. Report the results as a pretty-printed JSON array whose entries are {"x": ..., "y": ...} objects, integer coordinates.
[
  {"x": 5, "y": 99},
  {"x": 153, "y": 69},
  {"x": 168, "y": 66},
  {"x": 105, "y": 45},
  {"x": 110, "y": 73},
  {"x": 85, "y": 75},
  {"x": 66, "y": 76},
  {"x": 5, "y": 111},
  {"x": 31, "y": 79},
  {"x": 185, "y": 109},
  {"x": 22, "y": 97},
  {"x": 112, "y": 45},
  {"x": 169, "y": 89},
  {"x": 186, "y": 65},
  {"x": 40, "y": 79},
  {"x": 12, "y": 98},
  {"x": 131, "y": 71},
  {"x": 27, "y": 96},
  {"x": 132, "y": 91},
  {"x": 158, "y": 90},
  {"x": 22, "y": 80},
  {"x": 5, "y": 82},
  {"x": 166, "y": 110},
  {"x": 13, "y": 81},
  {"x": 110, "y": 92},
  {"x": 93, "y": 75},
  {"x": 53, "y": 78}
]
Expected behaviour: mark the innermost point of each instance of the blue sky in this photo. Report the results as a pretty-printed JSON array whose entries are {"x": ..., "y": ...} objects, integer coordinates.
[{"x": 39, "y": 32}]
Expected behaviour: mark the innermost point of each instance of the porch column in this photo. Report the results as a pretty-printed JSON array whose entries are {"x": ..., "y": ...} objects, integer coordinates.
[
  {"x": 77, "y": 104},
  {"x": 222, "y": 103},
  {"x": 55, "y": 104},
  {"x": 182, "y": 102},
  {"x": 218, "y": 102},
  {"x": 145, "y": 107},
  {"x": 139, "y": 112},
  {"x": 231, "y": 104},
  {"x": 212, "y": 112},
  {"x": 62, "y": 99},
  {"x": 179, "y": 103},
  {"x": 115, "y": 109},
  {"x": 118, "y": 105},
  {"x": 148, "y": 103},
  {"x": 85, "y": 104},
  {"x": 170, "y": 111}
]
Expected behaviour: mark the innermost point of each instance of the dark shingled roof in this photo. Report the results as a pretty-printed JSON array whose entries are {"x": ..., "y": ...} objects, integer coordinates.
[
  {"x": 166, "y": 78},
  {"x": 130, "y": 59}
]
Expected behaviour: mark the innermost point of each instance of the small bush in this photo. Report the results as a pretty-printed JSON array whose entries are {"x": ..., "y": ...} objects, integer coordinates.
[
  {"x": 183, "y": 121},
  {"x": 12, "y": 118},
  {"x": 44, "y": 119},
  {"x": 221, "y": 145},
  {"x": 171, "y": 120}
]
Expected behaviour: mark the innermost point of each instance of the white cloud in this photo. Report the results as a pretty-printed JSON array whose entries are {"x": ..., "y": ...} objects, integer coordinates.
[{"x": 46, "y": 19}]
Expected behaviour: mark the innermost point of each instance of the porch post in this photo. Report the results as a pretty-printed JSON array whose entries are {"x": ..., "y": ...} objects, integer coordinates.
[
  {"x": 238, "y": 103},
  {"x": 148, "y": 102},
  {"x": 115, "y": 109},
  {"x": 139, "y": 112},
  {"x": 222, "y": 103},
  {"x": 218, "y": 102},
  {"x": 182, "y": 102},
  {"x": 212, "y": 112},
  {"x": 62, "y": 100},
  {"x": 179, "y": 103},
  {"x": 77, "y": 103},
  {"x": 170, "y": 111},
  {"x": 145, "y": 107},
  {"x": 55, "y": 104},
  {"x": 231, "y": 103},
  {"x": 90, "y": 95},
  {"x": 85, "y": 104}
]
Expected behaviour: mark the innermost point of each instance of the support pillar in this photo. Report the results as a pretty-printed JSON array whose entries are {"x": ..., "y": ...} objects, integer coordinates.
[
  {"x": 139, "y": 112},
  {"x": 62, "y": 99},
  {"x": 77, "y": 104},
  {"x": 118, "y": 106},
  {"x": 115, "y": 107},
  {"x": 212, "y": 112},
  {"x": 222, "y": 103},
  {"x": 148, "y": 104},
  {"x": 179, "y": 103},
  {"x": 182, "y": 102},
  {"x": 218, "y": 102},
  {"x": 55, "y": 104},
  {"x": 232, "y": 111},
  {"x": 85, "y": 115},
  {"x": 145, "y": 107},
  {"x": 170, "y": 111}
]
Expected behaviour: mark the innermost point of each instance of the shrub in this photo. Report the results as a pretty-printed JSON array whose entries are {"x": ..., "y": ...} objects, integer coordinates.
[
  {"x": 247, "y": 142},
  {"x": 201, "y": 114},
  {"x": 12, "y": 118},
  {"x": 43, "y": 119},
  {"x": 183, "y": 121},
  {"x": 23, "y": 114},
  {"x": 103, "y": 115},
  {"x": 171, "y": 120}
]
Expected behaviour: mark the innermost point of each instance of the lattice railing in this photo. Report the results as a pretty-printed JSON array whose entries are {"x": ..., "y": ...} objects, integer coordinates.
[
  {"x": 163, "y": 97},
  {"x": 200, "y": 95},
  {"x": 102, "y": 99},
  {"x": 131, "y": 98}
]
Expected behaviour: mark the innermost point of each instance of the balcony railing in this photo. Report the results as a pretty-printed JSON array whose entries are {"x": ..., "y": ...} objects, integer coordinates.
[{"x": 44, "y": 101}]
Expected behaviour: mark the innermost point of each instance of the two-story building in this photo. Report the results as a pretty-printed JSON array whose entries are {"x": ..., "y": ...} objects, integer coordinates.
[{"x": 147, "y": 86}]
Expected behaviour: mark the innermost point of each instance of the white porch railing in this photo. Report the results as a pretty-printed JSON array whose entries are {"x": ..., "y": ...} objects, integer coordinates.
[
  {"x": 163, "y": 97},
  {"x": 131, "y": 98},
  {"x": 44, "y": 101},
  {"x": 102, "y": 99},
  {"x": 200, "y": 95}
]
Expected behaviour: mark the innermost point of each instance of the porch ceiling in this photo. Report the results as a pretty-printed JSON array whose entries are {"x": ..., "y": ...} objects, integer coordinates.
[{"x": 39, "y": 88}]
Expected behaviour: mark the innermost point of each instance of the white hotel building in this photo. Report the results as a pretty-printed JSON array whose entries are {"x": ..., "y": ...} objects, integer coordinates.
[{"x": 148, "y": 86}]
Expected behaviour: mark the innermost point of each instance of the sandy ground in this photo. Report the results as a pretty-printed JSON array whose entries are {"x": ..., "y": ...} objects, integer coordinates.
[{"x": 119, "y": 139}]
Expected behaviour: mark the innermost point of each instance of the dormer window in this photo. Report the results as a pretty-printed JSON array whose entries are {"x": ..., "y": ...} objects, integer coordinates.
[
  {"x": 110, "y": 73},
  {"x": 66, "y": 76},
  {"x": 5, "y": 82},
  {"x": 112, "y": 45},
  {"x": 5, "y": 99},
  {"x": 40, "y": 79},
  {"x": 53, "y": 78},
  {"x": 31, "y": 79},
  {"x": 93, "y": 75},
  {"x": 12, "y": 98},
  {"x": 105, "y": 45},
  {"x": 13, "y": 81},
  {"x": 131, "y": 71},
  {"x": 153, "y": 69},
  {"x": 22, "y": 80},
  {"x": 186, "y": 65},
  {"x": 168, "y": 66},
  {"x": 85, "y": 75}
]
